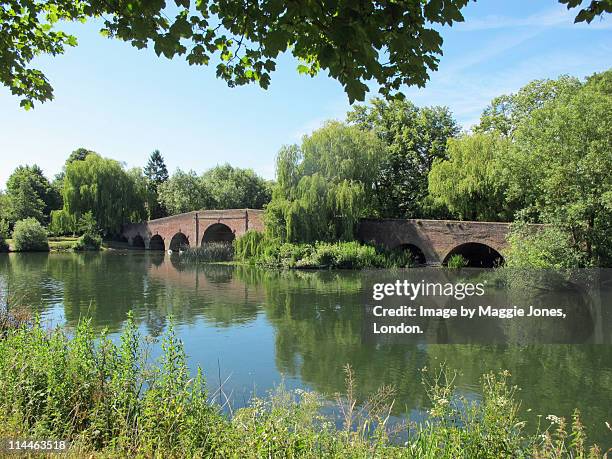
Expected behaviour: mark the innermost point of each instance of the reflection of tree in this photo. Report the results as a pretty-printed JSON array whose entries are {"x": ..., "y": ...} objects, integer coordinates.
[{"x": 318, "y": 320}]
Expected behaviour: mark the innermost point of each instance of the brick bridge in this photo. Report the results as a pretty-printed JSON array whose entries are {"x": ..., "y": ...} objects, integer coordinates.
[
  {"x": 435, "y": 241},
  {"x": 192, "y": 228},
  {"x": 430, "y": 241}
]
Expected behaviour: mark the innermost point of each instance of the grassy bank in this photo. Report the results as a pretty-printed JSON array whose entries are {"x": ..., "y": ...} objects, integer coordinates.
[{"x": 109, "y": 400}]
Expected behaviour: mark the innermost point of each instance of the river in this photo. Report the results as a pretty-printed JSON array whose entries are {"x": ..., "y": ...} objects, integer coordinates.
[{"x": 253, "y": 329}]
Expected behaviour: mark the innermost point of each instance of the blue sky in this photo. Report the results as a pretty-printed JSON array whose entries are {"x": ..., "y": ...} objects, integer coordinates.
[{"x": 124, "y": 103}]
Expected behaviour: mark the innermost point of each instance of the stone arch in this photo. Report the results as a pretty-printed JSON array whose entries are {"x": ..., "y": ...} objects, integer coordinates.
[
  {"x": 138, "y": 242},
  {"x": 415, "y": 251},
  {"x": 477, "y": 255},
  {"x": 179, "y": 241},
  {"x": 218, "y": 232},
  {"x": 157, "y": 243}
]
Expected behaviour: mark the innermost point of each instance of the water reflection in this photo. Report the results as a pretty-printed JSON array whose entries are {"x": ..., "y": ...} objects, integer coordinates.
[{"x": 260, "y": 326}]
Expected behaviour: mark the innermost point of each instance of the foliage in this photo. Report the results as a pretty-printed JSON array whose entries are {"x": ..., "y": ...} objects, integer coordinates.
[
  {"x": 29, "y": 194},
  {"x": 4, "y": 233},
  {"x": 456, "y": 261},
  {"x": 387, "y": 44},
  {"x": 249, "y": 246},
  {"x": 560, "y": 166},
  {"x": 325, "y": 185},
  {"x": 183, "y": 192},
  {"x": 102, "y": 186},
  {"x": 209, "y": 252},
  {"x": 540, "y": 247},
  {"x": 156, "y": 173},
  {"x": 29, "y": 235},
  {"x": 507, "y": 112},
  {"x": 236, "y": 188},
  {"x": 415, "y": 137},
  {"x": 129, "y": 406},
  {"x": 88, "y": 241},
  {"x": 79, "y": 155},
  {"x": 471, "y": 183}
]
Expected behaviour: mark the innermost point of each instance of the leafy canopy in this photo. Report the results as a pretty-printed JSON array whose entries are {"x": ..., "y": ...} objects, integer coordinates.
[
  {"x": 415, "y": 137},
  {"x": 325, "y": 185},
  {"x": 387, "y": 43}
]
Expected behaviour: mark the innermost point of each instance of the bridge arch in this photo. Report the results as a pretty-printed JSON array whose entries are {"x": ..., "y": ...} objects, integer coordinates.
[
  {"x": 157, "y": 243},
  {"x": 418, "y": 256},
  {"x": 477, "y": 255},
  {"x": 218, "y": 232},
  {"x": 138, "y": 242},
  {"x": 179, "y": 241}
]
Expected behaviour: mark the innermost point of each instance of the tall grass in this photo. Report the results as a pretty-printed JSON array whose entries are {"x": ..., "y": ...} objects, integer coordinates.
[
  {"x": 209, "y": 252},
  {"x": 110, "y": 400},
  {"x": 255, "y": 247}
]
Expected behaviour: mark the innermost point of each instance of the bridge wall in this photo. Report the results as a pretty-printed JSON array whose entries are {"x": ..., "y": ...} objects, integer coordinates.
[
  {"x": 436, "y": 238},
  {"x": 193, "y": 225}
]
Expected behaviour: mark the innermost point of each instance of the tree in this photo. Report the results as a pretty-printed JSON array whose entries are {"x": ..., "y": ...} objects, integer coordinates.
[
  {"x": 156, "y": 174},
  {"x": 235, "y": 188},
  {"x": 325, "y": 185},
  {"x": 101, "y": 186},
  {"x": 388, "y": 43},
  {"x": 30, "y": 182},
  {"x": 184, "y": 192},
  {"x": 79, "y": 155},
  {"x": 560, "y": 166},
  {"x": 507, "y": 112},
  {"x": 415, "y": 138},
  {"x": 24, "y": 203},
  {"x": 472, "y": 182}
]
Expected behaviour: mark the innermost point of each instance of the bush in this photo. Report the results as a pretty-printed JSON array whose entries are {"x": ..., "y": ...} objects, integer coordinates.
[
  {"x": 456, "y": 261},
  {"x": 30, "y": 236},
  {"x": 249, "y": 246},
  {"x": 542, "y": 247},
  {"x": 209, "y": 252},
  {"x": 88, "y": 242}
]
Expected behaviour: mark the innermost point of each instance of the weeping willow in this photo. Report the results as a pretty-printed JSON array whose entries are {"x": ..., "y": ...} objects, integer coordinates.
[
  {"x": 101, "y": 186},
  {"x": 325, "y": 185}
]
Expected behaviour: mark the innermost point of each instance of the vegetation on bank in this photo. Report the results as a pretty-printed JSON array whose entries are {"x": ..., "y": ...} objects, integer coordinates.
[{"x": 110, "y": 400}]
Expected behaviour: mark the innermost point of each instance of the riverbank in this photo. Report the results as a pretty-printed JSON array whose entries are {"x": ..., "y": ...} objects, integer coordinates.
[{"x": 111, "y": 400}]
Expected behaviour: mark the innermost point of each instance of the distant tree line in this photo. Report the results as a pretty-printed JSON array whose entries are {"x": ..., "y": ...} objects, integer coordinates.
[{"x": 94, "y": 194}]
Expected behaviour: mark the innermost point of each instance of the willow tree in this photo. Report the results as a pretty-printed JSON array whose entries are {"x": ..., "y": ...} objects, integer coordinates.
[
  {"x": 472, "y": 182},
  {"x": 325, "y": 185},
  {"x": 103, "y": 187}
]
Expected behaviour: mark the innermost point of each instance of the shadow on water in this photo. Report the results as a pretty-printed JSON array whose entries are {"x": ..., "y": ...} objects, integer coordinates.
[{"x": 263, "y": 325}]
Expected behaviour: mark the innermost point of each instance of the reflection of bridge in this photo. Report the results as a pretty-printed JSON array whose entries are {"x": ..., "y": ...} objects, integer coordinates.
[
  {"x": 430, "y": 241},
  {"x": 193, "y": 228}
]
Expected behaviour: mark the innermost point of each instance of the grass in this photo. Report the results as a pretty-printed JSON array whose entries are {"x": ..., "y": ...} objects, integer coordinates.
[{"x": 110, "y": 400}]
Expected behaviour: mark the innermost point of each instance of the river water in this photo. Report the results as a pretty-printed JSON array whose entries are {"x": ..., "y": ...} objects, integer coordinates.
[{"x": 253, "y": 329}]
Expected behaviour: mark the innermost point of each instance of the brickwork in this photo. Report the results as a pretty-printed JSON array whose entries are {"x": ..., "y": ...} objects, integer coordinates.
[
  {"x": 436, "y": 238},
  {"x": 194, "y": 224}
]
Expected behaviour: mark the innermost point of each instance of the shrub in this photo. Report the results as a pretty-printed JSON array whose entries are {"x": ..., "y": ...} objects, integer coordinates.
[
  {"x": 88, "y": 241},
  {"x": 209, "y": 252},
  {"x": 249, "y": 246},
  {"x": 29, "y": 235},
  {"x": 542, "y": 247},
  {"x": 456, "y": 261}
]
